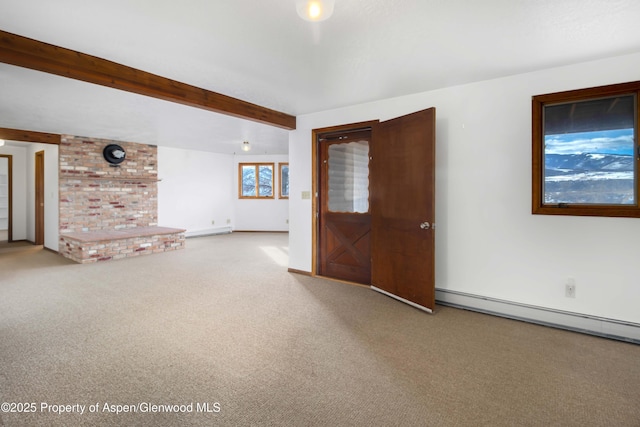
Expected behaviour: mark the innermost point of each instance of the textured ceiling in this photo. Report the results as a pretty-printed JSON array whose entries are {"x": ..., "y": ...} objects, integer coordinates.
[{"x": 261, "y": 52}]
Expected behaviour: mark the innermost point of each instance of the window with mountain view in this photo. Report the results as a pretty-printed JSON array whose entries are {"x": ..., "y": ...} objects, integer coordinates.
[
  {"x": 591, "y": 162},
  {"x": 585, "y": 156}
]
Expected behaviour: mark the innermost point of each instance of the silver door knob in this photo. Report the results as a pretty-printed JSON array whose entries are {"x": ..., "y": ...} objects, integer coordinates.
[{"x": 424, "y": 225}]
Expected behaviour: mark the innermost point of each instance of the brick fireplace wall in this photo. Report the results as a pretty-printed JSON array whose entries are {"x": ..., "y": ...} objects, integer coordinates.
[
  {"x": 96, "y": 196},
  {"x": 110, "y": 211}
]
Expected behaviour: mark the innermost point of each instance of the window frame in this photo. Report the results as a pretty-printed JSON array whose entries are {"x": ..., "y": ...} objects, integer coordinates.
[
  {"x": 538, "y": 152},
  {"x": 256, "y": 165},
  {"x": 280, "y": 181}
]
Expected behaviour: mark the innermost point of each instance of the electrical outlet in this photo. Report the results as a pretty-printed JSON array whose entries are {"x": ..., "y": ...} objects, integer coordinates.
[
  {"x": 228, "y": 220},
  {"x": 287, "y": 221},
  {"x": 570, "y": 288},
  {"x": 213, "y": 222}
]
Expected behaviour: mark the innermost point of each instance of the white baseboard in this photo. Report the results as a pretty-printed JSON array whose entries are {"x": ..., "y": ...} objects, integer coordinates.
[
  {"x": 208, "y": 232},
  {"x": 593, "y": 325}
]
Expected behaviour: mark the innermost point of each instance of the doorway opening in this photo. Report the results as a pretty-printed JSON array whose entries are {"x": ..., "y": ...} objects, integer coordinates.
[
  {"x": 374, "y": 206},
  {"x": 344, "y": 215},
  {"x": 6, "y": 167}
]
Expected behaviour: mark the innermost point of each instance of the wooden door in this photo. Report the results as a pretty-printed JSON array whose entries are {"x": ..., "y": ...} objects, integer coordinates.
[
  {"x": 39, "y": 202},
  {"x": 403, "y": 208},
  {"x": 344, "y": 221}
]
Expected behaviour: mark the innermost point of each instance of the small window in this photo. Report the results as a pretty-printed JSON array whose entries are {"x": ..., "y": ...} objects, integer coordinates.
[
  {"x": 284, "y": 180},
  {"x": 256, "y": 180},
  {"x": 585, "y": 152},
  {"x": 348, "y": 177}
]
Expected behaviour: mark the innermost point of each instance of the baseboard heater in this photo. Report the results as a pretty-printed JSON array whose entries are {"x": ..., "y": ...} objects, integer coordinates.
[
  {"x": 592, "y": 325},
  {"x": 208, "y": 232}
]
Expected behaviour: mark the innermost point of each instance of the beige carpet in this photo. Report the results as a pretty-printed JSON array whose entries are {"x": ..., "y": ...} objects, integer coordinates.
[
  {"x": 6, "y": 246},
  {"x": 16, "y": 246},
  {"x": 223, "y": 322}
]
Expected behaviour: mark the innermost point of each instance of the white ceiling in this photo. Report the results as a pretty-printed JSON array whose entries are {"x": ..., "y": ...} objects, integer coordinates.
[{"x": 260, "y": 51}]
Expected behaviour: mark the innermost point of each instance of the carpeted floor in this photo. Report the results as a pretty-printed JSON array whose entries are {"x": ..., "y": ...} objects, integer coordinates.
[
  {"x": 6, "y": 246},
  {"x": 16, "y": 246},
  {"x": 224, "y": 330}
]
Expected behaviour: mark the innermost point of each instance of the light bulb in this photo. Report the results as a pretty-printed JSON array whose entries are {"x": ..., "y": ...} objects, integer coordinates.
[{"x": 315, "y": 10}]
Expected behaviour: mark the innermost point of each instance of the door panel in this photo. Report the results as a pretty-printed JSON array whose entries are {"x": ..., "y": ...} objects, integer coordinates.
[
  {"x": 402, "y": 200},
  {"x": 347, "y": 247},
  {"x": 344, "y": 215}
]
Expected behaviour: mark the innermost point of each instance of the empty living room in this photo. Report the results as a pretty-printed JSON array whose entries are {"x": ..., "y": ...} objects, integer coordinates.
[{"x": 319, "y": 213}]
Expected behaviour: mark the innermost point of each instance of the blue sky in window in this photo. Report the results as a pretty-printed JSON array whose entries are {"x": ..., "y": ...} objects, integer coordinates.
[{"x": 618, "y": 141}]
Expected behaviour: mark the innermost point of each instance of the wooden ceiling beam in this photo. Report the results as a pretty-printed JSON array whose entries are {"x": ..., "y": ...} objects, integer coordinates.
[
  {"x": 36, "y": 55},
  {"x": 29, "y": 136}
]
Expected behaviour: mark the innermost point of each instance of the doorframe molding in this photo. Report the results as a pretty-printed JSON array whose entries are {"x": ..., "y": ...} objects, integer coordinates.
[
  {"x": 9, "y": 158},
  {"x": 39, "y": 213},
  {"x": 315, "y": 141},
  {"x": 31, "y": 137}
]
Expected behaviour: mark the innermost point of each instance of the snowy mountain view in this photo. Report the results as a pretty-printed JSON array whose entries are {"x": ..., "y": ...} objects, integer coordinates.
[{"x": 602, "y": 175}]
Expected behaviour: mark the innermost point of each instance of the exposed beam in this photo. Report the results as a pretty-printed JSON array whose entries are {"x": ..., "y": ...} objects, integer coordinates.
[
  {"x": 29, "y": 136},
  {"x": 36, "y": 55}
]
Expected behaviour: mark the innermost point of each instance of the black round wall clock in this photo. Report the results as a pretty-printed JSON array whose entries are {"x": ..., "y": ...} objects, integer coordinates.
[{"x": 114, "y": 154}]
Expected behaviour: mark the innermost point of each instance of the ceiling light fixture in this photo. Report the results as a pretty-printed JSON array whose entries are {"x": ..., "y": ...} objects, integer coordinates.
[
  {"x": 246, "y": 146},
  {"x": 315, "y": 10}
]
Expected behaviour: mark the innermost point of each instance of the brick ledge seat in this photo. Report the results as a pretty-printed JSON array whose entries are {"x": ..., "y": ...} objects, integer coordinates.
[
  {"x": 104, "y": 245},
  {"x": 122, "y": 233}
]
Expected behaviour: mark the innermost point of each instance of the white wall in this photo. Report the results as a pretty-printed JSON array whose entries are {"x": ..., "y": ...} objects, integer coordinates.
[
  {"x": 19, "y": 207},
  {"x": 4, "y": 191},
  {"x": 264, "y": 214},
  {"x": 196, "y": 188},
  {"x": 487, "y": 242},
  {"x": 51, "y": 190}
]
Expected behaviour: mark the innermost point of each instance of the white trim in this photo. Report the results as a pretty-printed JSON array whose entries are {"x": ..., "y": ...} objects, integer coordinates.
[
  {"x": 208, "y": 232},
  {"x": 584, "y": 323},
  {"x": 413, "y": 304}
]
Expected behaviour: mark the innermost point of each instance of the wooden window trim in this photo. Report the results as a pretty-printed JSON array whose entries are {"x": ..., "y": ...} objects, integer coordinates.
[
  {"x": 538, "y": 103},
  {"x": 257, "y": 166},
  {"x": 280, "y": 165}
]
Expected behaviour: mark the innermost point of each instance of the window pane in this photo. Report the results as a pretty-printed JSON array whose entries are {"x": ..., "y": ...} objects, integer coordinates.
[
  {"x": 589, "y": 152},
  {"x": 248, "y": 181},
  {"x": 349, "y": 177},
  {"x": 266, "y": 181},
  {"x": 284, "y": 180}
]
